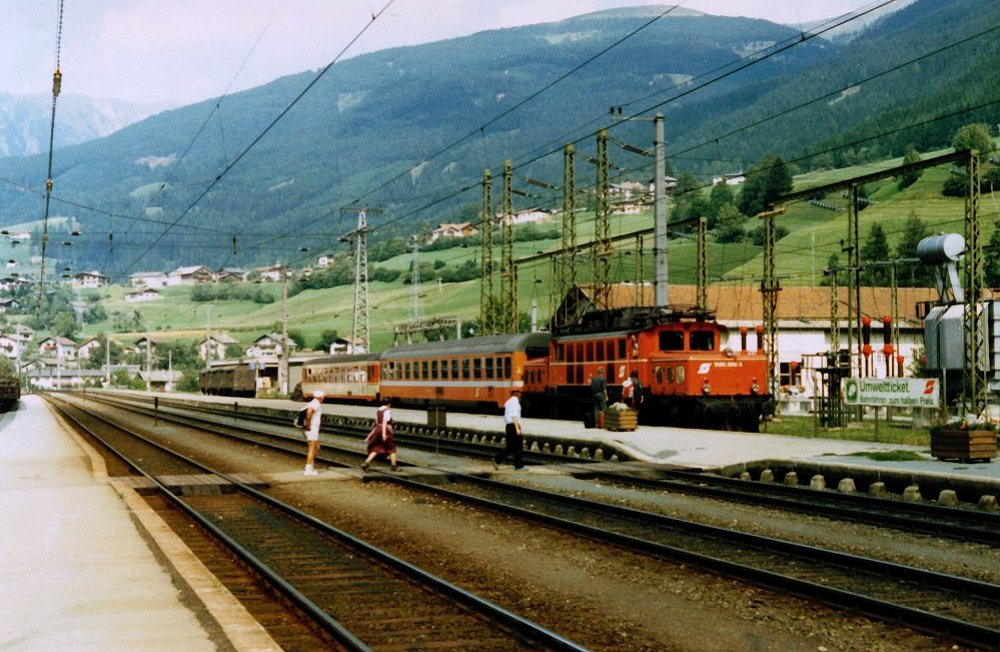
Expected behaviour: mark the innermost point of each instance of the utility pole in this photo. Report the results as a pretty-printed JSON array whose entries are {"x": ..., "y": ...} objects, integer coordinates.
[
  {"x": 415, "y": 280},
  {"x": 661, "y": 287},
  {"x": 208, "y": 335},
  {"x": 702, "y": 263},
  {"x": 149, "y": 360},
  {"x": 283, "y": 363}
]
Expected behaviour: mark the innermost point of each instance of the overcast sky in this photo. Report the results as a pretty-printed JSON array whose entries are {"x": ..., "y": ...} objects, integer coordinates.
[{"x": 182, "y": 51}]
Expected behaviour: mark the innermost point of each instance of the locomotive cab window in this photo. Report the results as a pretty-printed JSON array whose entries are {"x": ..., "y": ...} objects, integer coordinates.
[
  {"x": 702, "y": 341},
  {"x": 671, "y": 341}
]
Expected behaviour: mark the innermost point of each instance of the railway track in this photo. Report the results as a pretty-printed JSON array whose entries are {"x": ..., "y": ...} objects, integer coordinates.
[
  {"x": 958, "y": 608},
  {"x": 955, "y": 607},
  {"x": 358, "y": 595},
  {"x": 920, "y": 517}
]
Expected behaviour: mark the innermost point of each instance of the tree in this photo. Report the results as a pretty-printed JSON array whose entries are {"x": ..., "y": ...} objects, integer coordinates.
[
  {"x": 720, "y": 197},
  {"x": 765, "y": 182},
  {"x": 909, "y": 178},
  {"x": 973, "y": 136},
  {"x": 912, "y": 274},
  {"x": 326, "y": 338},
  {"x": 874, "y": 250},
  {"x": 992, "y": 259},
  {"x": 729, "y": 226}
]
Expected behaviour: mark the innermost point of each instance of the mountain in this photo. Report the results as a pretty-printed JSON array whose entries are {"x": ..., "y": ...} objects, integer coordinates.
[
  {"x": 410, "y": 130},
  {"x": 26, "y": 120}
]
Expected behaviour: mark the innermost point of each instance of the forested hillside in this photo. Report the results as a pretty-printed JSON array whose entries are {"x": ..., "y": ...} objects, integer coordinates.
[{"x": 410, "y": 130}]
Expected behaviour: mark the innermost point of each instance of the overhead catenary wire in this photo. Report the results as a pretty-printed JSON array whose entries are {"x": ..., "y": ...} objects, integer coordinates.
[
  {"x": 56, "y": 89},
  {"x": 319, "y": 75}
]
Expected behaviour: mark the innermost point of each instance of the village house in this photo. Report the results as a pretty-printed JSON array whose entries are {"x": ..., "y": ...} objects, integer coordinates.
[
  {"x": 324, "y": 261},
  {"x": 191, "y": 275},
  {"x": 214, "y": 346},
  {"x": 268, "y": 345},
  {"x": 526, "y": 217},
  {"x": 12, "y": 283},
  {"x": 93, "y": 279},
  {"x": 270, "y": 273},
  {"x": 231, "y": 275},
  {"x": 61, "y": 348},
  {"x": 142, "y": 294},
  {"x": 463, "y": 230},
  {"x": 733, "y": 179},
  {"x": 669, "y": 185},
  {"x": 148, "y": 280},
  {"x": 9, "y": 305},
  {"x": 627, "y": 190},
  {"x": 85, "y": 348},
  {"x": 348, "y": 345},
  {"x": 12, "y": 345}
]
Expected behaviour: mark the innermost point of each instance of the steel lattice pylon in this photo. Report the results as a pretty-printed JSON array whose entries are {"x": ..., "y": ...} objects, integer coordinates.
[
  {"x": 566, "y": 270},
  {"x": 602, "y": 226},
  {"x": 487, "y": 314},
  {"x": 360, "y": 323},
  {"x": 974, "y": 368},
  {"x": 506, "y": 313}
]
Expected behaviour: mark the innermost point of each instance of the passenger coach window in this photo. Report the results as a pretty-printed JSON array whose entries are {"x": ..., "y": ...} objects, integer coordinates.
[
  {"x": 465, "y": 368},
  {"x": 621, "y": 349},
  {"x": 506, "y": 367},
  {"x": 489, "y": 368},
  {"x": 671, "y": 341},
  {"x": 423, "y": 370},
  {"x": 434, "y": 369},
  {"x": 477, "y": 368},
  {"x": 454, "y": 369},
  {"x": 702, "y": 341}
]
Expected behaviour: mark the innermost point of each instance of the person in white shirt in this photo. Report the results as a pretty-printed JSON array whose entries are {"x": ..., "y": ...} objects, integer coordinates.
[
  {"x": 314, "y": 415},
  {"x": 512, "y": 428}
]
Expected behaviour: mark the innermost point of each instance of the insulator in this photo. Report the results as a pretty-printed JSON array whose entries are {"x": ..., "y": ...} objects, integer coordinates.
[
  {"x": 743, "y": 338},
  {"x": 866, "y": 329},
  {"x": 56, "y": 83},
  {"x": 866, "y": 350},
  {"x": 887, "y": 330}
]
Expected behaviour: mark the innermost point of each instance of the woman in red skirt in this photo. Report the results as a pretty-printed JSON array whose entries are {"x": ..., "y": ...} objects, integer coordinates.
[{"x": 380, "y": 440}]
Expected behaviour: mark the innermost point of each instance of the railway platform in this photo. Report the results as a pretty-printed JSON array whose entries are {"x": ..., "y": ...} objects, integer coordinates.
[
  {"x": 86, "y": 565},
  {"x": 729, "y": 453}
]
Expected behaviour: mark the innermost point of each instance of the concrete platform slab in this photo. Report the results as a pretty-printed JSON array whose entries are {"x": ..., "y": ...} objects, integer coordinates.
[{"x": 76, "y": 570}]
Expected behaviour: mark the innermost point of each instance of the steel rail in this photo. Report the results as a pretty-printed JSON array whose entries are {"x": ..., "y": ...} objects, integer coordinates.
[{"x": 516, "y": 622}]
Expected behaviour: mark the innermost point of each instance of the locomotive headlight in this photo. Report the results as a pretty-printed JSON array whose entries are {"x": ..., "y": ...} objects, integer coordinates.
[{"x": 706, "y": 388}]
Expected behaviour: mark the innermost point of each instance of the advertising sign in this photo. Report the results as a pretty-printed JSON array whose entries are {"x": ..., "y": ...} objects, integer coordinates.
[{"x": 891, "y": 392}]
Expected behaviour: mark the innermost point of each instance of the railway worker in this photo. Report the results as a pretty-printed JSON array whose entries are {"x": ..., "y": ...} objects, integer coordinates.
[
  {"x": 513, "y": 439},
  {"x": 380, "y": 439},
  {"x": 599, "y": 388},
  {"x": 314, "y": 415}
]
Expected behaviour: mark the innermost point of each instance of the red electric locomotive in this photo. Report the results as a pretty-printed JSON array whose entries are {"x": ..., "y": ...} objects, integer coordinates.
[{"x": 691, "y": 377}]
